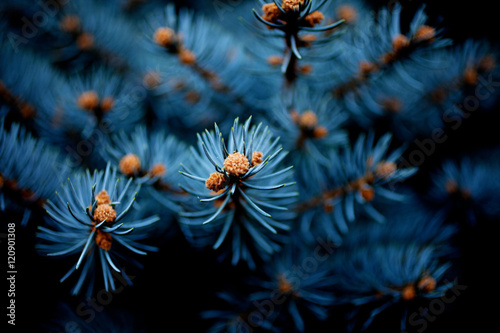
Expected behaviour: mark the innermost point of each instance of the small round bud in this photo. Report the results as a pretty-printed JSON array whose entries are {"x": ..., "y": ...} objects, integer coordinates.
[
  {"x": 103, "y": 240},
  {"x": 216, "y": 182},
  {"x": 367, "y": 192},
  {"x": 309, "y": 38},
  {"x": 385, "y": 169},
  {"x": 367, "y": 67},
  {"x": 427, "y": 284},
  {"x": 470, "y": 76},
  {"x": 400, "y": 42},
  {"x": 85, "y": 41},
  {"x": 70, "y": 24},
  {"x": 104, "y": 212},
  {"x": 306, "y": 69},
  {"x": 408, "y": 293},
  {"x": 291, "y": 5},
  {"x": 88, "y": 100},
  {"x": 130, "y": 164},
  {"x": 284, "y": 286},
  {"x": 271, "y": 12},
  {"x": 107, "y": 103},
  {"x": 314, "y": 18},
  {"x": 236, "y": 164},
  {"x": 348, "y": 13},
  {"x": 187, "y": 57},
  {"x": 274, "y": 60},
  {"x": 256, "y": 158},
  {"x": 424, "y": 34},
  {"x": 308, "y": 119},
  {"x": 103, "y": 198},
  {"x": 320, "y": 132},
  {"x": 164, "y": 37},
  {"x": 158, "y": 170}
]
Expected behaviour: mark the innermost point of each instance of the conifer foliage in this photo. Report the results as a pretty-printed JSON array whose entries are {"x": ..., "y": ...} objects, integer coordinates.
[{"x": 244, "y": 166}]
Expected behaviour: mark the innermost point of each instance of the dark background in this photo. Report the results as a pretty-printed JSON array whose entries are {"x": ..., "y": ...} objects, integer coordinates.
[{"x": 179, "y": 282}]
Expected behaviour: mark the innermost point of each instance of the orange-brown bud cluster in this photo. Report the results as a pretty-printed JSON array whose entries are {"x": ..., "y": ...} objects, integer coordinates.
[
  {"x": 256, "y": 158},
  {"x": 70, "y": 24},
  {"x": 274, "y": 14},
  {"x": 425, "y": 284},
  {"x": 367, "y": 192},
  {"x": 158, "y": 170},
  {"x": 103, "y": 198},
  {"x": 271, "y": 12},
  {"x": 385, "y": 169},
  {"x": 103, "y": 212},
  {"x": 216, "y": 182},
  {"x": 85, "y": 41},
  {"x": 424, "y": 33},
  {"x": 103, "y": 240},
  {"x": 89, "y": 100},
  {"x": 408, "y": 293},
  {"x": 348, "y": 13},
  {"x": 400, "y": 42},
  {"x": 236, "y": 164},
  {"x": 187, "y": 57},
  {"x": 284, "y": 285},
  {"x": 308, "y": 122},
  {"x": 164, "y": 37},
  {"x": 314, "y": 18},
  {"x": 275, "y": 60},
  {"x": 291, "y": 5},
  {"x": 130, "y": 164}
]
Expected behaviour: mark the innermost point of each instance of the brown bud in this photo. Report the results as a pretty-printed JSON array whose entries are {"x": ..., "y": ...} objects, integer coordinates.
[
  {"x": 274, "y": 60},
  {"x": 103, "y": 240},
  {"x": 164, "y": 37},
  {"x": 236, "y": 164},
  {"x": 314, "y": 18},
  {"x": 347, "y": 12},
  {"x": 70, "y": 24},
  {"x": 104, "y": 212},
  {"x": 107, "y": 104},
  {"x": 427, "y": 284},
  {"x": 271, "y": 12},
  {"x": 367, "y": 192},
  {"x": 320, "y": 132},
  {"x": 158, "y": 170},
  {"x": 408, "y": 293},
  {"x": 88, "y": 100},
  {"x": 216, "y": 182},
  {"x": 256, "y": 158},
  {"x": 399, "y": 42},
  {"x": 103, "y": 198},
  {"x": 424, "y": 33},
  {"x": 187, "y": 57},
  {"x": 85, "y": 41},
  {"x": 130, "y": 164}
]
